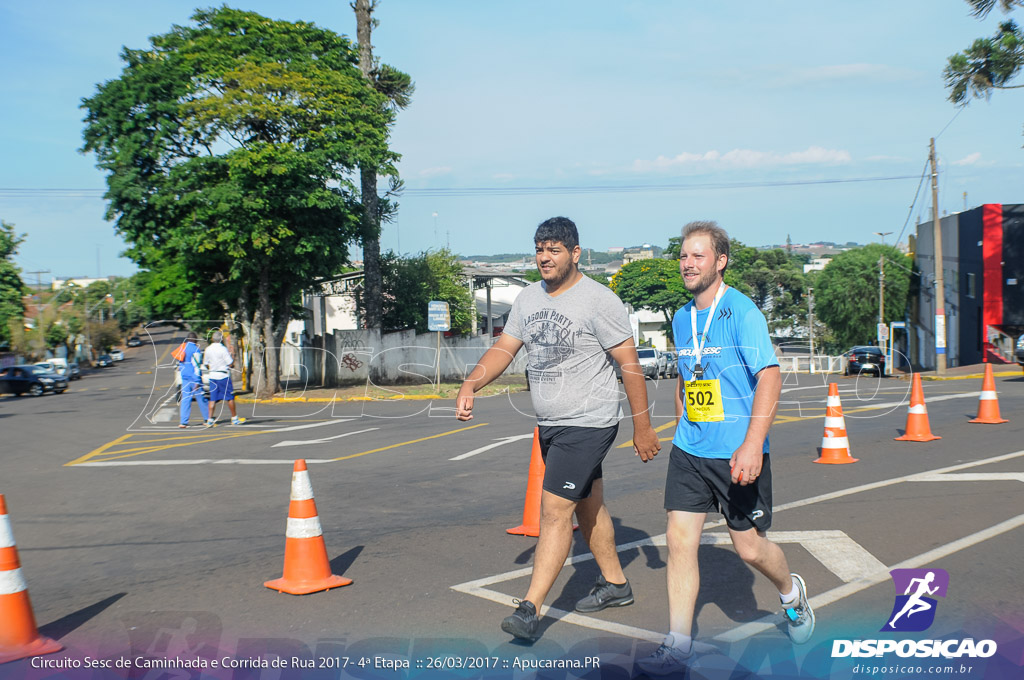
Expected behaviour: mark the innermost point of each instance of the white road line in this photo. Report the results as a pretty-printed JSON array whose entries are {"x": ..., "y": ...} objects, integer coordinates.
[
  {"x": 293, "y": 428},
  {"x": 972, "y": 477},
  {"x": 496, "y": 444},
  {"x": 307, "y": 442}
]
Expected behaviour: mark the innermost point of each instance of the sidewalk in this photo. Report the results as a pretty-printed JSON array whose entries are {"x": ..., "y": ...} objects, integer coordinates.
[
  {"x": 966, "y": 372},
  {"x": 295, "y": 394}
]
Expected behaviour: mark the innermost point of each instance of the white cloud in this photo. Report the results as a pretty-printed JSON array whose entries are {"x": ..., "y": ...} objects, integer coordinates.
[
  {"x": 969, "y": 159},
  {"x": 435, "y": 171},
  {"x": 743, "y": 158}
]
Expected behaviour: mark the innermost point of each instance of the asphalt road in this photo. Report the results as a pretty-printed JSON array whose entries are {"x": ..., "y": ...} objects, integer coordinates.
[{"x": 140, "y": 538}]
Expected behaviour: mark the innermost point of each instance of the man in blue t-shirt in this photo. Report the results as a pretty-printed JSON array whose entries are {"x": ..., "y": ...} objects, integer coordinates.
[
  {"x": 192, "y": 382},
  {"x": 728, "y": 390}
]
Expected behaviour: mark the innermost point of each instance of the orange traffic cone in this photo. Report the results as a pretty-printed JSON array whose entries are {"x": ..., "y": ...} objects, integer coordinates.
[
  {"x": 306, "y": 569},
  {"x": 835, "y": 445},
  {"x": 534, "y": 490},
  {"x": 918, "y": 429},
  {"x": 988, "y": 403},
  {"x": 19, "y": 636}
]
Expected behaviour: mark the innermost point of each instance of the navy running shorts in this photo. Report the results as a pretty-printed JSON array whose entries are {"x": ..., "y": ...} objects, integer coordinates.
[
  {"x": 695, "y": 484},
  {"x": 572, "y": 458}
]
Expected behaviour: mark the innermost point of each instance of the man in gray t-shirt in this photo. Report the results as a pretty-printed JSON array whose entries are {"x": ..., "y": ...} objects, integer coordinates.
[
  {"x": 567, "y": 338},
  {"x": 572, "y": 328}
]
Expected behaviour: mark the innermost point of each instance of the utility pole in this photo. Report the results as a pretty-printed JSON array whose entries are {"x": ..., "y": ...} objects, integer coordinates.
[
  {"x": 882, "y": 341},
  {"x": 810, "y": 322},
  {"x": 940, "y": 286},
  {"x": 39, "y": 281}
]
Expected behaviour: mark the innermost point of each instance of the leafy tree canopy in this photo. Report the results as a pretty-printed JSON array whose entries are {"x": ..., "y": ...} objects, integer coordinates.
[
  {"x": 989, "y": 63},
  {"x": 655, "y": 285},
  {"x": 230, "y": 147},
  {"x": 410, "y": 283},
  {"x": 11, "y": 285},
  {"x": 846, "y": 292}
]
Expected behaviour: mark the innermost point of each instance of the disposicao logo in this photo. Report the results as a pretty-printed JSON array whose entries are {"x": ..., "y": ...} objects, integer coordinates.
[{"x": 914, "y": 610}]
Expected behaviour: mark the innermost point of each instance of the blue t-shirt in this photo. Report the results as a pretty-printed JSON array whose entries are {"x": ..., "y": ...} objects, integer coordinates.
[
  {"x": 190, "y": 366},
  {"x": 737, "y": 349}
]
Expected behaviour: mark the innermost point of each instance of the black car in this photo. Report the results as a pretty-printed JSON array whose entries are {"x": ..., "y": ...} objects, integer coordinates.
[
  {"x": 104, "y": 360},
  {"x": 18, "y": 380},
  {"x": 74, "y": 371},
  {"x": 1020, "y": 350},
  {"x": 865, "y": 359}
]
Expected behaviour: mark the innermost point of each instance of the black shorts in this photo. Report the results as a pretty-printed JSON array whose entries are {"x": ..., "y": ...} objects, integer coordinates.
[
  {"x": 695, "y": 484},
  {"x": 572, "y": 458}
]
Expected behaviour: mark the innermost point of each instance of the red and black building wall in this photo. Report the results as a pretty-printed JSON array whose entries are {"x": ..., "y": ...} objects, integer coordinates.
[{"x": 983, "y": 268}]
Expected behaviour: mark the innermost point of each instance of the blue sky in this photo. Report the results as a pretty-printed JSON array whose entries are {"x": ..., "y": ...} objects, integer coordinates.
[{"x": 712, "y": 103}]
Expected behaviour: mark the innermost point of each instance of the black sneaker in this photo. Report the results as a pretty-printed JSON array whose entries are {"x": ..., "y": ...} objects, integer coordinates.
[
  {"x": 523, "y": 623},
  {"x": 605, "y": 594}
]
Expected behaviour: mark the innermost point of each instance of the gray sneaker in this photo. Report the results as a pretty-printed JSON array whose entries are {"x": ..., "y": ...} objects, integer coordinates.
[
  {"x": 665, "y": 660},
  {"x": 604, "y": 594},
  {"x": 523, "y": 623},
  {"x": 800, "y": 616}
]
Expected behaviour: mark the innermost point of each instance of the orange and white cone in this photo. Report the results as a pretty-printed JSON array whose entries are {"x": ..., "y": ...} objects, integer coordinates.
[
  {"x": 835, "y": 445},
  {"x": 988, "y": 402},
  {"x": 19, "y": 636},
  {"x": 534, "y": 491},
  {"x": 918, "y": 429},
  {"x": 306, "y": 568}
]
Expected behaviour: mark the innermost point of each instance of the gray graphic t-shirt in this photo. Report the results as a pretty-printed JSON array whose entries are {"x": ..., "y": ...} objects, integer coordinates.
[{"x": 572, "y": 378}]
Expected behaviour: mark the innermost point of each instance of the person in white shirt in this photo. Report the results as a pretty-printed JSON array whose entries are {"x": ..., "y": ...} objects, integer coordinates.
[{"x": 218, "y": 367}]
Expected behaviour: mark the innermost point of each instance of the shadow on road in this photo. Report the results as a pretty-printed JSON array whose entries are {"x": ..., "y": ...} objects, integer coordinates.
[{"x": 61, "y": 627}]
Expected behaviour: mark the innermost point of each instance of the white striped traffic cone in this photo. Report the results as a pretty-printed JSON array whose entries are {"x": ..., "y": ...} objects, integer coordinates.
[
  {"x": 19, "y": 637},
  {"x": 835, "y": 445},
  {"x": 306, "y": 567},
  {"x": 918, "y": 429}
]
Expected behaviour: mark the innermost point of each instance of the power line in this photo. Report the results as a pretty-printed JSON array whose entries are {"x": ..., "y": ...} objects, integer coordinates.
[
  {"x": 924, "y": 173},
  {"x": 26, "y": 192}
]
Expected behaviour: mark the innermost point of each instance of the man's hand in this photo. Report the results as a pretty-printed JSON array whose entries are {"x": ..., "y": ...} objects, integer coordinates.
[
  {"x": 464, "y": 404},
  {"x": 746, "y": 464},
  {"x": 645, "y": 443}
]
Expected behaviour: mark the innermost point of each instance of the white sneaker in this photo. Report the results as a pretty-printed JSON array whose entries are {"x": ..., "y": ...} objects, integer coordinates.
[
  {"x": 237, "y": 420},
  {"x": 799, "y": 616},
  {"x": 665, "y": 660}
]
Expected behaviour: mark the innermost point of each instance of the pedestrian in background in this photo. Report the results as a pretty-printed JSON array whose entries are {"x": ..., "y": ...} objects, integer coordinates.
[
  {"x": 190, "y": 368},
  {"x": 218, "y": 361}
]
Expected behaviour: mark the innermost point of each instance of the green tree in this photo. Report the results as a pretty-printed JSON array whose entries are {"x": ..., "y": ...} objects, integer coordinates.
[
  {"x": 409, "y": 283},
  {"x": 655, "y": 285},
  {"x": 846, "y": 293},
  {"x": 233, "y": 143},
  {"x": 56, "y": 334},
  {"x": 989, "y": 63},
  {"x": 11, "y": 286}
]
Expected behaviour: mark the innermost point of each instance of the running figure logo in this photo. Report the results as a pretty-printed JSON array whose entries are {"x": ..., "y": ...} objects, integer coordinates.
[{"x": 914, "y": 610}]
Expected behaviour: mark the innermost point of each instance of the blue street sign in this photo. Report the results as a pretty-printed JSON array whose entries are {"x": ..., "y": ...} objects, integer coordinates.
[{"x": 438, "y": 317}]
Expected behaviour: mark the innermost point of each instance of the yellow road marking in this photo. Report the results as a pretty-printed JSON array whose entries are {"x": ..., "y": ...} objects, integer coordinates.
[
  {"x": 671, "y": 423},
  {"x": 131, "y": 453},
  {"x": 150, "y": 445},
  {"x": 414, "y": 441}
]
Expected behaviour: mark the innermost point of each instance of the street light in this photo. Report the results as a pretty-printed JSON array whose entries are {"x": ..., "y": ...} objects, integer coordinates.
[{"x": 881, "y": 293}]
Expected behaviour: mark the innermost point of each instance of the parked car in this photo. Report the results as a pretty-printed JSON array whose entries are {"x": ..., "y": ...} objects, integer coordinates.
[
  {"x": 652, "y": 362},
  {"x": 865, "y": 359},
  {"x": 117, "y": 354},
  {"x": 104, "y": 360},
  {"x": 74, "y": 371},
  {"x": 55, "y": 365},
  {"x": 671, "y": 364},
  {"x": 1020, "y": 350},
  {"x": 18, "y": 380},
  {"x": 134, "y": 341}
]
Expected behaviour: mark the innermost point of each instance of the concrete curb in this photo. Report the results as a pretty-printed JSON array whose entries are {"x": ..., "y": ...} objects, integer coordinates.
[
  {"x": 328, "y": 400},
  {"x": 972, "y": 376}
]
